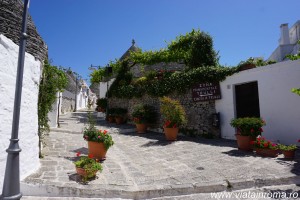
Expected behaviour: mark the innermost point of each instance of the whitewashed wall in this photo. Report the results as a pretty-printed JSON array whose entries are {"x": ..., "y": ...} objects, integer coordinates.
[
  {"x": 279, "y": 107},
  {"x": 103, "y": 88},
  {"x": 28, "y": 129}
]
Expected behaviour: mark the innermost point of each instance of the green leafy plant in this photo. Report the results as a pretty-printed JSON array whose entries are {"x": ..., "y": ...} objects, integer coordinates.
[
  {"x": 143, "y": 114},
  {"x": 254, "y": 62},
  {"x": 91, "y": 133},
  {"x": 262, "y": 143},
  {"x": 102, "y": 103},
  {"x": 248, "y": 126},
  {"x": 292, "y": 147},
  {"x": 172, "y": 112},
  {"x": 89, "y": 165},
  {"x": 120, "y": 112},
  {"x": 53, "y": 80}
]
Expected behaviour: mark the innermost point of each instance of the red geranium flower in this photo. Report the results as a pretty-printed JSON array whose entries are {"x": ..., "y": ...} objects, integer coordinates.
[
  {"x": 174, "y": 126},
  {"x": 266, "y": 145},
  {"x": 252, "y": 130},
  {"x": 91, "y": 155},
  {"x": 252, "y": 142},
  {"x": 299, "y": 140},
  {"x": 261, "y": 130},
  {"x": 78, "y": 154}
]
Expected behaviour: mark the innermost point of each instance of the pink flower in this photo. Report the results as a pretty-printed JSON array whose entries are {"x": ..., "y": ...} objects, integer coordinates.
[
  {"x": 99, "y": 136},
  {"x": 273, "y": 145},
  {"x": 299, "y": 140}
]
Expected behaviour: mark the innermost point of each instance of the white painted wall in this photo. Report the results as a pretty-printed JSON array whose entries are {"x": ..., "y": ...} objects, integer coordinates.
[
  {"x": 52, "y": 115},
  {"x": 279, "y": 107},
  {"x": 103, "y": 88},
  {"x": 28, "y": 129}
]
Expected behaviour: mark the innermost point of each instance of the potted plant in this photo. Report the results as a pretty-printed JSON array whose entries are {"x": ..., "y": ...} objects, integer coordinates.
[
  {"x": 87, "y": 167},
  {"x": 265, "y": 147},
  {"x": 288, "y": 150},
  {"x": 101, "y": 104},
  {"x": 120, "y": 115},
  {"x": 173, "y": 115},
  {"x": 111, "y": 115},
  {"x": 248, "y": 128},
  {"x": 99, "y": 141},
  {"x": 248, "y": 64},
  {"x": 142, "y": 116}
]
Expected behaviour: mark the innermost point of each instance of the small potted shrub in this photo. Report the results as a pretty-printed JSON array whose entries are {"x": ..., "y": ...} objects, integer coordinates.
[
  {"x": 101, "y": 104},
  {"x": 288, "y": 150},
  {"x": 99, "y": 141},
  {"x": 142, "y": 116},
  {"x": 248, "y": 64},
  {"x": 87, "y": 167},
  {"x": 120, "y": 115},
  {"x": 265, "y": 147},
  {"x": 248, "y": 128},
  {"x": 173, "y": 115},
  {"x": 111, "y": 115}
]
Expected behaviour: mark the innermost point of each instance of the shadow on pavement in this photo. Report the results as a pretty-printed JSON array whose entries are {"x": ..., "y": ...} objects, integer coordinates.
[
  {"x": 240, "y": 153},
  {"x": 158, "y": 139}
]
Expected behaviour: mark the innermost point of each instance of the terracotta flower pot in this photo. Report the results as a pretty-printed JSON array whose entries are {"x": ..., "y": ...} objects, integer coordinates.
[
  {"x": 267, "y": 152},
  {"x": 244, "y": 142},
  {"x": 171, "y": 133},
  {"x": 111, "y": 119},
  {"x": 289, "y": 154},
  {"x": 97, "y": 150},
  {"x": 119, "y": 120},
  {"x": 141, "y": 128}
]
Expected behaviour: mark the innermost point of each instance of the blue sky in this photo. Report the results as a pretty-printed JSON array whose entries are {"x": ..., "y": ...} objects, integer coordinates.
[{"x": 84, "y": 32}]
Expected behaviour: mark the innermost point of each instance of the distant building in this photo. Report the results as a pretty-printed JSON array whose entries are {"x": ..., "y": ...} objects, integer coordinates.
[{"x": 287, "y": 42}]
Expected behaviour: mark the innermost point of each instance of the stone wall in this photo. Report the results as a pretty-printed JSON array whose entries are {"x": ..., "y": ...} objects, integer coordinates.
[
  {"x": 10, "y": 25},
  {"x": 199, "y": 114},
  {"x": 28, "y": 128},
  {"x": 68, "y": 102}
]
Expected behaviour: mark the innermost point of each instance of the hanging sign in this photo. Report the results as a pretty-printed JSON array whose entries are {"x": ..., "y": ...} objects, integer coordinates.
[{"x": 206, "y": 92}]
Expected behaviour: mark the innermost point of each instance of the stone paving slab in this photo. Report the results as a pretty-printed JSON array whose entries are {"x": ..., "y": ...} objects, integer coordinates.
[{"x": 147, "y": 166}]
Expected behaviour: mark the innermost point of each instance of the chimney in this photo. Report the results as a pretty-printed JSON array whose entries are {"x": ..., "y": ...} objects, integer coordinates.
[{"x": 285, "y": 37}]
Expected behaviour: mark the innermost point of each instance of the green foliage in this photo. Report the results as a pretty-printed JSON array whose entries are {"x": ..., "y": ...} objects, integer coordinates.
[
  {"x": 248, "y": 126},
  {"x": 120, "y": 112},
  {"x": 296, "y": 91},
  {"x": 102, "y": 103},
  {"x": 53, "y": 80},
  {"x": 89, "y": 165},
  {"x": 292, "y": 147},
  {"x": 195, "y": 49},
  {"x": 256, "y": 62},
  {"x": 172, "y": 112},
  {"x": 167, "y": 82},
  {"x": 144, "y": 114},
  {"x": 91, "y": 133}
]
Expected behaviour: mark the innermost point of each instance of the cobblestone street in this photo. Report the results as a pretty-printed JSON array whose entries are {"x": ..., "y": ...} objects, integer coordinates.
[{"x": 147, "y": 166}]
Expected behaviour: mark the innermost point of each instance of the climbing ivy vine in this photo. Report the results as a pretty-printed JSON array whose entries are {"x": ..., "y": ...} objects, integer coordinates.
[
  {"x": 53, "y": 80},
  {"x": 195, "y": 50}
]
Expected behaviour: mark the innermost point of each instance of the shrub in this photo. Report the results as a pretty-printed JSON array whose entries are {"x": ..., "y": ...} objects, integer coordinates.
[
  {"x": 173, "y": 113},
  {"x": 102, "y": 102},
  {"x": 143, "y": 114},
  {"x": 248, "y": 126}
]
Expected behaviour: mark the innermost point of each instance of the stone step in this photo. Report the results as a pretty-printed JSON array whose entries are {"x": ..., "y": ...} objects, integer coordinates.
[{"x": 152, "y": 192}]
